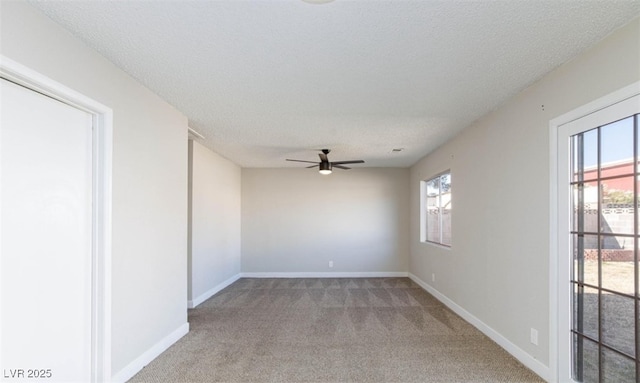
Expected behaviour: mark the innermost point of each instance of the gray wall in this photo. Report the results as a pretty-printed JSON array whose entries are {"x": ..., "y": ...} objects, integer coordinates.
[
  {"x": 296, "y": 220},
  {"x": 215, "y": 221},
  {"x": 149, "y": 270},
  {"x": 498, "y": 266}
]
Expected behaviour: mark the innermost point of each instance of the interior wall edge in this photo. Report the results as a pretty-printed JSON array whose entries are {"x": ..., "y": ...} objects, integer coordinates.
[
  {"x": 130, "y": 370},
  {"x": 525, "y": 358}
]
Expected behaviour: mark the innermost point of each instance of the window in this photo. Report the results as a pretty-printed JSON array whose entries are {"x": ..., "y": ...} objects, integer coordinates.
[{"x": 436, "y": 210}]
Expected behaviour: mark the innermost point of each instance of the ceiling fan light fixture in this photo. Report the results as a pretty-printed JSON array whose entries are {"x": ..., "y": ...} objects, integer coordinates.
[{"x": 325, "y": 168}]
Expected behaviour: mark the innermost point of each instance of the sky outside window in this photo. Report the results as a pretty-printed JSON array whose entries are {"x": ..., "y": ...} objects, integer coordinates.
[{"x": 616, "y": 143}]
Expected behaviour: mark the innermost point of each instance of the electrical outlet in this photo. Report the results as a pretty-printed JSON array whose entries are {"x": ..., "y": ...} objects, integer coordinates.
[
  {"x": 534, "y": 336},
  {"x": 433, "y": 277},
  {"x": 330, "y": 263}
]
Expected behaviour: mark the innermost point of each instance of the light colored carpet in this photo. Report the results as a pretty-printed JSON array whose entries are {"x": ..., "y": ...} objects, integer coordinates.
[{"x": 331, "y": 330}]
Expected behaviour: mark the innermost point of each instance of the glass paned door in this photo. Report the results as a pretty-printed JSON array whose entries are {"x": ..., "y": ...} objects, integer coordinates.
[{"x": 604, "y": 247}]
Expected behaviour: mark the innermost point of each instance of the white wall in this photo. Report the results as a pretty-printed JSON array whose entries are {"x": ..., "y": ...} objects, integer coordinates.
[
  {"x": 297, "y": 220},
  {"x": 498, "y": 266},
  {"x": 215, "y": 223},
  {"x": 149, "y": 293}
]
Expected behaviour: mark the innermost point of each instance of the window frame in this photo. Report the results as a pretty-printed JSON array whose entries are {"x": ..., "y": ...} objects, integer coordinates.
[
  {"x": 578, "y": 228},
  {"x": 560, "y": 128},
  {"x": 424, "y": 226}
]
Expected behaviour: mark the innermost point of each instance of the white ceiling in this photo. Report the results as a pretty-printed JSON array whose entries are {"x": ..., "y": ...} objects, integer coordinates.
[{"x": 269, "y": 80}]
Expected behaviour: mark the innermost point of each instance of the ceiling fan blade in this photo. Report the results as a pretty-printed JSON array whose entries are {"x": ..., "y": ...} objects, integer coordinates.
[
  {"x": 311, "y": 162},
  {"x": 348, "y": 162},
  {"x": 340, "y": 167},
  {"x": 313, "y": 166},
  {"x": 323, "y": 157}
]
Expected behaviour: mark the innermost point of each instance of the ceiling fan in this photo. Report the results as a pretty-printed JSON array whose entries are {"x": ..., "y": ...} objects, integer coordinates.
[{"x": 326, "y": 166}]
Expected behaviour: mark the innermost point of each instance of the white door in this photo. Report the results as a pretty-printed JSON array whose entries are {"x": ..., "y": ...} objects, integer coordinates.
[
  {"x": 46, "y": 237},
  {"x": 599, "y": 183}
]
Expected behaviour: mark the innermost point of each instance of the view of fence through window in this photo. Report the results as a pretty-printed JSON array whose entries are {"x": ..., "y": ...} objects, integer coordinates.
[
  {"x": 604, "y": 230},
  {"x": 438, "y": 209}
]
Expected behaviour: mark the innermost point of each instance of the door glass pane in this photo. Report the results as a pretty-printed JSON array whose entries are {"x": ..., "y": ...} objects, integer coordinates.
[
  {"x": 637, "y": 200},
  {"x": 585, "y": 368},
  {"x": 617, "y": 264},
  {"x": 616, "y": 148},
  {"x": 585, "y": 207},
  {"x": 637, "y": 124},
  {"x": 585, "y": 155},
  {"x": 617, "y": 368},
  {"x": 585, "y": 311},
  {"x": 617, "y": 213},
  {"x": 618, "y": 327},
  {"x": 576, "y": 160},
  {"x": 616, "y": 247},
  {"x": 585, "y": 268}
]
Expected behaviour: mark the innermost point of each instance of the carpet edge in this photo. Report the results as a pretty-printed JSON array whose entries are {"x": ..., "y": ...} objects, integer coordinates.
[
  {"x": 525, "y": 358},
  {"x": 208, "y": 294},
  {"x": 140, "y": 362}
]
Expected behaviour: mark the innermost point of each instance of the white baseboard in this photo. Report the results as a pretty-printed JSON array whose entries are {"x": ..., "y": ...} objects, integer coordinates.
[
  {"x": 525, "y": 358},
  {"x": 139, "y": 363},
  {"x": 339, "y": 274},
  {"x": 203, "y": 297}
]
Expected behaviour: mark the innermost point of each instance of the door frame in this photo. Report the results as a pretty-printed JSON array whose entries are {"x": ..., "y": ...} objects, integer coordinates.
[
  {"x": 559, "y": 293},
  {"x": 102, "y": 197}
]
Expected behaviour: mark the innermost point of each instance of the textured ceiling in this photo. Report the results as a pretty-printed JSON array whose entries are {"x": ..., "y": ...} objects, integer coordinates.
[{"x": 269, "y": 80}]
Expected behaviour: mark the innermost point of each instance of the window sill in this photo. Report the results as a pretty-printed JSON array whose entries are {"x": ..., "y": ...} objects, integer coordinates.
[{"x": 436, "y": 244}]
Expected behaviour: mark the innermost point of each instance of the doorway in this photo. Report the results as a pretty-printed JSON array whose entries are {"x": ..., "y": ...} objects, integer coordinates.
[
  {"x": 55, "y": 156},
  {"x": 595, "y": 270}
]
